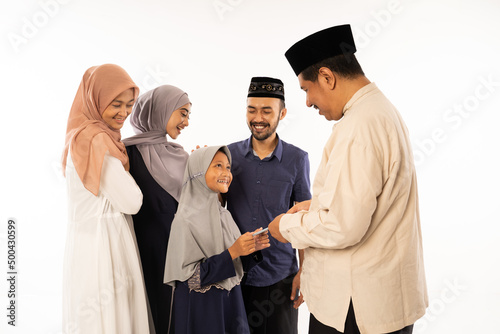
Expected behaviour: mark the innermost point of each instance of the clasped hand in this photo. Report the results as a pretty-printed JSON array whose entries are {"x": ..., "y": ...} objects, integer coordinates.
[
  {"x": 247, "y": 244},
  {"x": 274, "y": 226}
]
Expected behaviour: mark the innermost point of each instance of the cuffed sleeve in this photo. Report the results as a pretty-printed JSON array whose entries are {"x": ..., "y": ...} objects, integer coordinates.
[
  {"x": 342, "y": 213},
  {"x": 119, "y": 187}
]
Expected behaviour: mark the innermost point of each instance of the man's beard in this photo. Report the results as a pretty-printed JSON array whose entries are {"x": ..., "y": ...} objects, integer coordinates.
[
  {"x": 264, "y": 135},
  {"x": 261, "y": 136}
]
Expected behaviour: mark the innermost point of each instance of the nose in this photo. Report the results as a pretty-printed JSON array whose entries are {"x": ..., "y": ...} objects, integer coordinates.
[
  {"x": 124, "y": 112},
  {"x": 227, "y": 173},
  {"x": 258, "y": 117},
  {"x": 308, "y": 104},
  {"x": 185, "y": 121}
]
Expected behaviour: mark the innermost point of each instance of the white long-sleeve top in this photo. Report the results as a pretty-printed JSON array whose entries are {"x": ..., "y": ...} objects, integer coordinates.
[
  {"x": 103, "y": 286},
  {"x": 117, "y": 189},
  {"x": 361, "y": 235}
]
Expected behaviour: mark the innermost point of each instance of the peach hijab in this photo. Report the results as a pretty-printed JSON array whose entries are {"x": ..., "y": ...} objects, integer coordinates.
[{"x": 87, "y": 134}]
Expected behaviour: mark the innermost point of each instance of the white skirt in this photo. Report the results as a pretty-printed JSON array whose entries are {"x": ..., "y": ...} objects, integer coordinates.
[{"x": 103, "y": 287}]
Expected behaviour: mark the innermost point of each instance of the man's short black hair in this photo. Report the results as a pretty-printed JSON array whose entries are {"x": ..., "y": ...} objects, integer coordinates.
[
  {"x": 282, "y": 105},
  {"x": 345, "y": 65}
]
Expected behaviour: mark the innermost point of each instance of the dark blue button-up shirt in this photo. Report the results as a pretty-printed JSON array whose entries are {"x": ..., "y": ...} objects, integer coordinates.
[{"x": 262, "y": 190}]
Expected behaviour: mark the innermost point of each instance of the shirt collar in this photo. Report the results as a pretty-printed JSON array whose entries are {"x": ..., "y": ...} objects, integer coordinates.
[
  {"x": 278, "y": 151},
  {"x": 362, "y": 92}
]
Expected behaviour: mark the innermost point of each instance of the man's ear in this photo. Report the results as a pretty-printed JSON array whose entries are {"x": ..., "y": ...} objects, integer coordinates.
[
  {"x": 326, "y": 76},
  {"x": 282, "y": 113}
]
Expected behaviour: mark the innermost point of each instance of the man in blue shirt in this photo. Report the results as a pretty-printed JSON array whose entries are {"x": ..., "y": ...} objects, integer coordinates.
[{"x": 269, "y": 176}]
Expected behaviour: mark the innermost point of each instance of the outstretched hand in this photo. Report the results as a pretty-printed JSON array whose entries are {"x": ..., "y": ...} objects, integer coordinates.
[
  {"x": 261, "y": 240},
  {"x": 244, "y": 245},
  {"x": 274, "y": 229},
  {"x": 304, "y": 205},
  {"x": 247, "y": 244}
]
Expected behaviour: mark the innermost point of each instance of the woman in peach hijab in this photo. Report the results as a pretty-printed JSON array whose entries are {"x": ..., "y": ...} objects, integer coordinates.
[{"x": 103, "y": 287}]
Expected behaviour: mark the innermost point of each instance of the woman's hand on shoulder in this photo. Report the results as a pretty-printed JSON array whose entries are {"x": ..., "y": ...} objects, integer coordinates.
[{"x": 197, "y": 147}]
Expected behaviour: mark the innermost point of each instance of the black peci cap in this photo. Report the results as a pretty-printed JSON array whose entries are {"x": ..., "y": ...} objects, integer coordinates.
[
  {"x": 321, "y": 45},
  {"x": 266, "y": 87}
]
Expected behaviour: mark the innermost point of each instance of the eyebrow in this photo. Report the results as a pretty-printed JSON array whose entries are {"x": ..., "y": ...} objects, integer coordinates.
[
  {"x": 185, "y": 110},
  {"x": 220, "y": 161},
  {"x": 266, "y": 107},
  {"x": 120, "y": 101}
]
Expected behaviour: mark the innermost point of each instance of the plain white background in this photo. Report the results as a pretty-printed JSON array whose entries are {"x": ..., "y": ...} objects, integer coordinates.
[{"x": 437, "y": 61}]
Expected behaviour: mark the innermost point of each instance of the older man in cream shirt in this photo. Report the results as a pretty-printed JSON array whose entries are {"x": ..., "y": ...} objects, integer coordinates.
[{"x": 363, "y": 270}]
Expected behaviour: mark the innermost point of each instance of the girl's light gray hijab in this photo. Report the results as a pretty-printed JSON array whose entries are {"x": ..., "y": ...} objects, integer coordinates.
[
  {"x": 201, "y": 227},
  {"x": 164, "y": 160}
]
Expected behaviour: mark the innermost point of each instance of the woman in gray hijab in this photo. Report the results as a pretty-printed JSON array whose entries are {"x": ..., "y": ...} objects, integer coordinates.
[
  {"x": 205, "y": 251},
  {"x": 157, "y": 166}
]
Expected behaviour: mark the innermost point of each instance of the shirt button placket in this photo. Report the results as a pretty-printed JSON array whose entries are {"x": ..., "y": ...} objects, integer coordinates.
[{"x": 258, "y": 194}]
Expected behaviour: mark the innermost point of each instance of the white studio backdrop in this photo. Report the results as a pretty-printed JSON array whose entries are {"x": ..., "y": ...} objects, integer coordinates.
[{"x": 437, "y": 61}]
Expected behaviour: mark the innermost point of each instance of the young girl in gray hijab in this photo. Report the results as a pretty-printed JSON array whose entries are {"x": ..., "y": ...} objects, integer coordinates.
[{"x": 205, "y": 250}]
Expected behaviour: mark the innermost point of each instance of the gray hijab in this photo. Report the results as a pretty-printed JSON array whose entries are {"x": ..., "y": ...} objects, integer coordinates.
[
  {"x": 164, "y": 160},
  {"x": 201, "y": 227}
]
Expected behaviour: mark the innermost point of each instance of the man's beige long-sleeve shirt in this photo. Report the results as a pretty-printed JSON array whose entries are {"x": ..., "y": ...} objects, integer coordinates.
[{"x": 361, "y": 235}]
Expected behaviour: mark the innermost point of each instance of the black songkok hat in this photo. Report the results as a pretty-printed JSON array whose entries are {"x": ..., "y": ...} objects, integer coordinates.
[
  {"x": 319, "y": 46},
  {"x": 266, "y": 87}
]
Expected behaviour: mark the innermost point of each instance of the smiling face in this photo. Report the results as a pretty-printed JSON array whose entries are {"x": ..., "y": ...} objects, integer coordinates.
[
  {"x": 263, "y": 116},
  {"x": 178, "y": 121},
  {"x": 323, "y": 94},
  {"x": 218, "y": 175},
  {"x": 119, "y": 109}
]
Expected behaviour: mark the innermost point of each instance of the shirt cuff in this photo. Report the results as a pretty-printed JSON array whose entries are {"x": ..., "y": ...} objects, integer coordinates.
[{"x": 290, "y": 229}]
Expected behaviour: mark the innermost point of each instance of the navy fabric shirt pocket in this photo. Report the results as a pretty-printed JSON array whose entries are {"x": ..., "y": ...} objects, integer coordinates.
[{"x": 278, "y": 195}]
